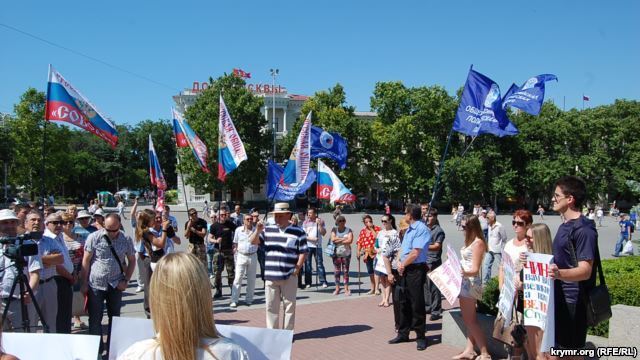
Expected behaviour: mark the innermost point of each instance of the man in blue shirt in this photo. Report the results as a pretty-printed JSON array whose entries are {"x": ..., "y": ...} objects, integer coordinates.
[
  {"x": 625, "y": 232},
  {"x": 412, "y": 268},
  {"x": 574, "y": 253}
]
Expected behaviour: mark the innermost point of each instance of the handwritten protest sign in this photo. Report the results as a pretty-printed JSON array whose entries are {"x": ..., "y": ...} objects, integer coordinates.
[
  {"x": 447, "y": 276},
  {"x": 538, "y": 297},
  {"x": 508, "y": 290}
]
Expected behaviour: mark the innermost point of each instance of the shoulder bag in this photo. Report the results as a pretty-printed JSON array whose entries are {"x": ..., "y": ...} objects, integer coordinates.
[
  {"x": 113, "y": 251},
  {"x": 597, "y": 299}
]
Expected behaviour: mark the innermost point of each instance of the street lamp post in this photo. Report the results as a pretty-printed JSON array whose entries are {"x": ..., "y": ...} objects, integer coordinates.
[{"x": 274, "y": 73}]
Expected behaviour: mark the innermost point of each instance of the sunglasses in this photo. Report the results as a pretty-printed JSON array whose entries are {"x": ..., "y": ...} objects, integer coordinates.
[
  {"x": 384, "y": 221},
  {"x": 517, "y": 223},
  {"x": 464, "y": 227},
  {"x": 341, "y": 221},
  {"x": 68, "y": 223}
]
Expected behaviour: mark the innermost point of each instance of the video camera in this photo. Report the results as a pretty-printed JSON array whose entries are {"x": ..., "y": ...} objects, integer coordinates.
[{"x": 17, "y": 248}]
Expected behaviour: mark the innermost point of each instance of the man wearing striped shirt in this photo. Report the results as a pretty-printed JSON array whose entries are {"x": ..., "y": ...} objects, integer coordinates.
[{"x": 285, "y": 251}]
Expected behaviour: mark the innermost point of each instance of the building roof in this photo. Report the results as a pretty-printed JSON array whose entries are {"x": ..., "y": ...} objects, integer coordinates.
[{"x": 298, "y": 97}]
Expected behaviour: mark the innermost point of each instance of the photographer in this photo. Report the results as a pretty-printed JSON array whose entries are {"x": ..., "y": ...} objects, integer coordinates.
[{"x": 9, "y": 228}]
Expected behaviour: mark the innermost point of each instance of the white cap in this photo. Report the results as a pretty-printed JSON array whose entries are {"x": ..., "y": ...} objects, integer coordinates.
[
  {"x": 7, "y": 214},
  {"x": 98, "y": 212}
]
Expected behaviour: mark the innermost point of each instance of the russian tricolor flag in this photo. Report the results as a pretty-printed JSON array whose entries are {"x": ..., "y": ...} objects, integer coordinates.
[
  {"x": 65, "y": 103},
  {"x": 330, "y": 187},
  {"x": 230, "y": 147},
  {"x": 185, "y": 134},
  {"x": 181, "y": 139},
  {"x": 155, "y": 172},
  {"x": 297, "y": 168}
]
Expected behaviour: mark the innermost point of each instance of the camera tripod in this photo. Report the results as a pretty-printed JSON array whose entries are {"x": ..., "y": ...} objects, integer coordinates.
[{"x": 21, "y": 280}]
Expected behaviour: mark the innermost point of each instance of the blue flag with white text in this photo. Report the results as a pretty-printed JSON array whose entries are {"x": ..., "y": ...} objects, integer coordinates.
[
  {"x": 480, "y": 110},
  {"x": 329, "y": 145},
  {"x": 285, "y": 192},
  {"x": 530, "y": 96}
]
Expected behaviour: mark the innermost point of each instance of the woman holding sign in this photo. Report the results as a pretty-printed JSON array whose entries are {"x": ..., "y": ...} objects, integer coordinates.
[
  {"x": 515, "y": 247},
  {"x": 472, "y": 253},
  {"x": 538, "y": 240}
]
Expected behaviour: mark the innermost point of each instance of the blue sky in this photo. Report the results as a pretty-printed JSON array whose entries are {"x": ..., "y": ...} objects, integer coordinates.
[{"x": 592, "y": 46}]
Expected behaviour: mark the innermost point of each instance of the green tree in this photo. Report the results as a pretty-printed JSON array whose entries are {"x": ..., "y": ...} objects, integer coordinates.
[{"x": 250, "y": 123}]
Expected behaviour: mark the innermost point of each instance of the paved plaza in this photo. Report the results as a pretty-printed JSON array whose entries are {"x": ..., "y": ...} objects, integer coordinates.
[{"x": 330, "y": 326}]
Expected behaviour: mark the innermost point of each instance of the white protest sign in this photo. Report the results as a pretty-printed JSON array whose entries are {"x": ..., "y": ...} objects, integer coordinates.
[
  {"x": 508, "y": 290},
  {"x": 51, "y": 346},
  {"x": 259, "y": 343},
  {"x": 539, "y": 297},
  {"x": 447, "y": 277}
]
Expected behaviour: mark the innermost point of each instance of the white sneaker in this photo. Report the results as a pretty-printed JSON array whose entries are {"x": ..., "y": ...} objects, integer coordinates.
[
  {"x": 324, "y": 286},
  {"x": 233, "y": 305},
  {"x": 139, "y": 289},
  {"x": 308, "y": 286},
  {"x": 210, "y": 276}
]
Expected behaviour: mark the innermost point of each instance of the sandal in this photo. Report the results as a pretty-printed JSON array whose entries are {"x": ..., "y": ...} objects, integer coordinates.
[
  {"x": 386, "y": 305},
  {"x": 336, "y": 291},
  {"x": 464, "y": 355},
  {"x": 371, "y": 292},
  {"x": 347, "y": 292}
]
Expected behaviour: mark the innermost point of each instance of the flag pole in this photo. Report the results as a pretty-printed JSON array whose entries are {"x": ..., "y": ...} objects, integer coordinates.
[
  {"x": 184, "y": 191},
  {"x": 440, "y": 170},
  {"x": 583, "y": 101}
]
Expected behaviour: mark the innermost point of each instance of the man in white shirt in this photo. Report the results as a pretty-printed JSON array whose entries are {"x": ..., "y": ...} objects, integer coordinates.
[
  {"x": 246, "y": 262},
  {"x": 496, "y": 240},
  {"x": 315, "y": 229},
  {"x": 600, "y": 216}
]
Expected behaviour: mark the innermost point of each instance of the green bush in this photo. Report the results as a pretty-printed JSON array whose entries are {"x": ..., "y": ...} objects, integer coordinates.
[
  {"x": 490, "y": 296},
  {"x": 623, "y": 280},
  {"x": 171, "y": 197}
]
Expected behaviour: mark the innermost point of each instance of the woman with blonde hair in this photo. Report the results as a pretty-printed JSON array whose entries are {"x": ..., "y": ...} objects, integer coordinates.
[
  {"x": 538, "y": 240},
  {"x": 183, "y": 315},
  {"x": 472, "y": 254}
]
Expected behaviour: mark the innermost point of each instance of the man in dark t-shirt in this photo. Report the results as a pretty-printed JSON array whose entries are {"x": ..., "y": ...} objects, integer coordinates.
[
  {"x": 195, "y": 230},
  {"x": 432, "y": 295},
  {"x": 222, "y": 233},
  {"x": 574, "y": 253}
]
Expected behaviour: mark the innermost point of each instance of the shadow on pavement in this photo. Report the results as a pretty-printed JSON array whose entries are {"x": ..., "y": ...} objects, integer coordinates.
[
  {"x": 332, "y": 331},
  {"x": 231, "y": 322}
]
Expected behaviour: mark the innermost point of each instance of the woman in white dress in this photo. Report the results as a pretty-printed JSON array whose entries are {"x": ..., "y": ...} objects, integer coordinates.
[
  {"x": 472, "y": 255},
  {"x": 182, "y": 308},
  {"x": 388, "y": 233}
]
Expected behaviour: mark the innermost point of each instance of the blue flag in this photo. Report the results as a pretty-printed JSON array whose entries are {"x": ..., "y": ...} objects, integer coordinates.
[
  {"x": 328, "y": 145},
  {"x": 480, "y": 110},
  {"x": 285, "y": 192},
  {"x": 530, "y": 96}
]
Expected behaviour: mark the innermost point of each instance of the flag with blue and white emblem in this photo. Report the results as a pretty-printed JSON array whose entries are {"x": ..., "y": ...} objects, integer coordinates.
[
  {"x": 329, "y": 145},
  {"x": 530, "y": 96},
  {"x": 480, "y": 110}
]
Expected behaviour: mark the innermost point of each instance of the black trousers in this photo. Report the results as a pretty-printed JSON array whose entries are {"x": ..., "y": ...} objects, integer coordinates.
[
  {"x": 411, "y": 298},
  {"x": 65, "y": 303},
  {"x": 395, "y": 298},
  {"x": 432, "y": 295},
  {"x": 147, "y": 284}
]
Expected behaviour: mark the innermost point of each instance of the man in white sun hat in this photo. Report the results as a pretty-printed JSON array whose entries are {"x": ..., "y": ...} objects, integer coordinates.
[{"x": 285, "y": 250}]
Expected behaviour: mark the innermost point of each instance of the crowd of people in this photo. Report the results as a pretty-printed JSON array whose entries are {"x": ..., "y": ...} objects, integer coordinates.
[{"x": 89, "y": 254}]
